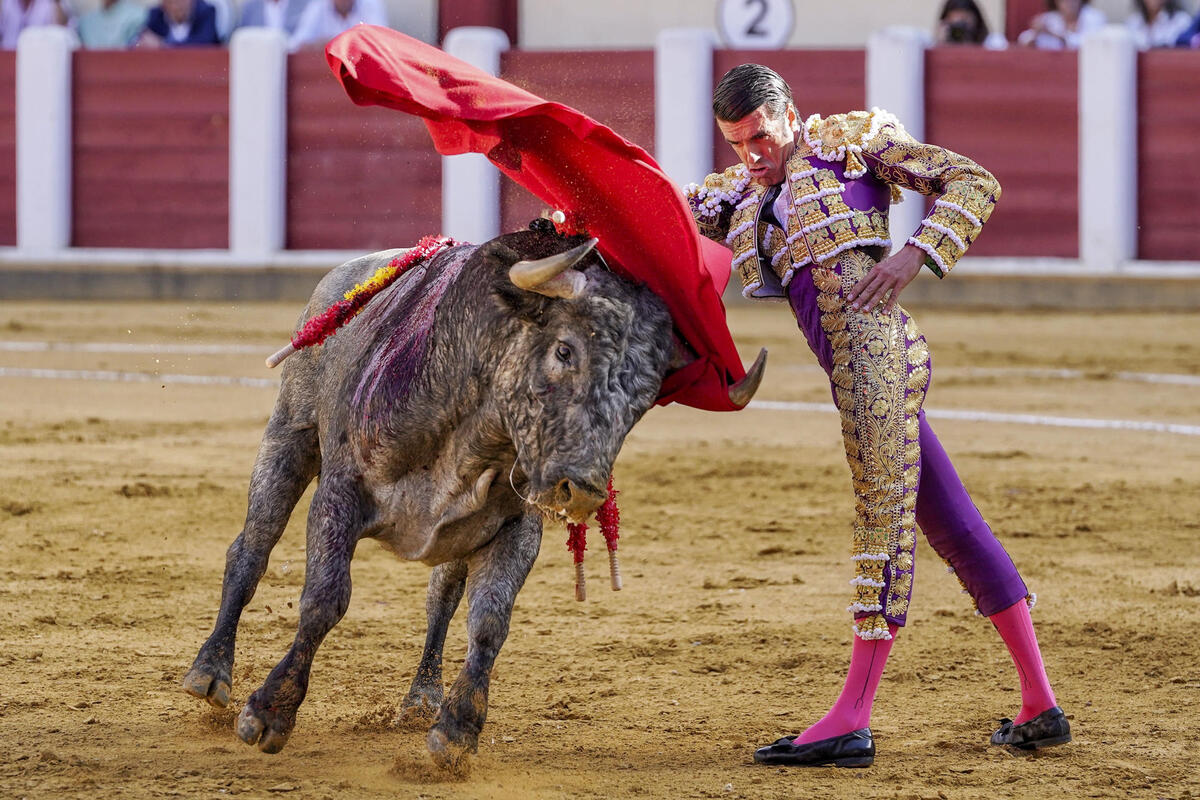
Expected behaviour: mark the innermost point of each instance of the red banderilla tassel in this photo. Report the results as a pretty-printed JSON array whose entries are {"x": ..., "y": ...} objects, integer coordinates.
[
  {"x": 577, "y": 543},
  {"x": 609, "y": 517},
  {"x": 329, "y": 321}
]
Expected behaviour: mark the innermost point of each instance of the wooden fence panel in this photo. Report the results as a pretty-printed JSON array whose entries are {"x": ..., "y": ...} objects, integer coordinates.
[
  {"x": 8, "y": 148},
  {"x": 358, "y": 177},
  {"x": 1168, "y": 155},
  {"x": 1016, "y": 113},
  {"x": 150, "y": 144}
]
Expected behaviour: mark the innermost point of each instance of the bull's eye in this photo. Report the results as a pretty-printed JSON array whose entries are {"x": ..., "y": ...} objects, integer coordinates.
[{"x": 563, "y": 353}]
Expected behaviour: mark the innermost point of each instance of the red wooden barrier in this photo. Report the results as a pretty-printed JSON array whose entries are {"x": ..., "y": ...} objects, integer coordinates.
[
  {"x": 358, "y": 177},
  {"x": 151, "y": 164},
  {"x": 613, "y": 87},
  {"x": 1168, "y": 158},
  {"x": 1016, "y": 113},
  {"x": 1018, "y": 14},
  {"x": 823, "y": 82},
  {"x": 151, "y": 149},
  {"x": 502, "y": 14},
  {"x": 8, "y": 148}
]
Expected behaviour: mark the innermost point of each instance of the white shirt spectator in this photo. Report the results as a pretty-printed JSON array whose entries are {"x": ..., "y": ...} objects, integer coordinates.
[
  {"x": 274, "y": 13},
  {"x": 995, "y": 41},
  {"x": 15, "y": 18},
  {"x": 322, "y": 20},
  {"x": 1057, "y": 36},
  {"x": 1163, "y": 32},
  {"x": 280, "y": 15}
]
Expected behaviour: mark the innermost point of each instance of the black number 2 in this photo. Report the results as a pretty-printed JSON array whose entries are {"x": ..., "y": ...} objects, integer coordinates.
[{"x": 753, "y": 29}]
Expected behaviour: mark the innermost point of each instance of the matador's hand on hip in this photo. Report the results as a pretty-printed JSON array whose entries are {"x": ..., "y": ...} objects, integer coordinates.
[{"x": 882, "y": 285}]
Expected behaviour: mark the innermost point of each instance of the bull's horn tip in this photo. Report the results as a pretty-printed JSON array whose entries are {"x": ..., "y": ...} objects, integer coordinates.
[{"x": 742, "y": 392}]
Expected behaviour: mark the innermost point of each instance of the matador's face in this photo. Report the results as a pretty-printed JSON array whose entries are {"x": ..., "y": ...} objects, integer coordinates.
[{"x": 763, "y": 142}]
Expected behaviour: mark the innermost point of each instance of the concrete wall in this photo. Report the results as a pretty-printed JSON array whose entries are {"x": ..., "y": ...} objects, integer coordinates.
[{"x": 571, "y": 24}]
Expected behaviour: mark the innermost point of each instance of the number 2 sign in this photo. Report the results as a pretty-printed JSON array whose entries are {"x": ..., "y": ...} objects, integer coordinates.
[{"x": 756, "y": 24}]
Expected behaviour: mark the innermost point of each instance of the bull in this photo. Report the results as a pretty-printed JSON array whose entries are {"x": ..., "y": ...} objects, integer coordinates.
[{"x": 484, "y": 390}]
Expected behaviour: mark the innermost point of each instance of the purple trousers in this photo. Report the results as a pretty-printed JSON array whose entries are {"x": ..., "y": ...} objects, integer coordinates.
[{"x": 879, "y": 370}]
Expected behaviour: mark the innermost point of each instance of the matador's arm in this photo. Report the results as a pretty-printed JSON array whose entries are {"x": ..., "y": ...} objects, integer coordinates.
[
  {"x": 714, "y": 201},
  {"x": 966, "y": 192}
]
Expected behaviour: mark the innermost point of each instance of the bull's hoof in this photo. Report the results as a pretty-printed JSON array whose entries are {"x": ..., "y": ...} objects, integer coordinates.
[
  {"x": 453, "y": 757},
  {"x": 201, "y": 682},
  {"x": 268, "y": 729},
  {"x": 417, "y": 713}
]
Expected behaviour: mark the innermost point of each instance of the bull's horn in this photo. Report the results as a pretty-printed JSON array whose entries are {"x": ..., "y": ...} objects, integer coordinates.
[
  {"x": 743, "y": 391},
  {"x": 553, "y": 276}
]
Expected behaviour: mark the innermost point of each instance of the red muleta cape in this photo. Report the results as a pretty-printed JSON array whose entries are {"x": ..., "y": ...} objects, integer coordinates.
[{"x": 606, "y": 185}]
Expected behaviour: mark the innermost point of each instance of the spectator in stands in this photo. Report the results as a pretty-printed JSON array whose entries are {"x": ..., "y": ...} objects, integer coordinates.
[
  {"x": 1157, "y": 23},
  {"x": 17, "y": 15},
  {"x": 1063, "y": 25},
  {"x": 181, "y": 23},
  {"x": 962, "y": 22},
  {"x": 324, "y": 19},
  {"x": 113, "y": 26},
  {"x": 280, "y": 15},
  {"x": 1191, "y": 36}
]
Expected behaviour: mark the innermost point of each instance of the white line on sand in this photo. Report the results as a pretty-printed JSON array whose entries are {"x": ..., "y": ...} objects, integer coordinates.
[
  {"x": 17, "y": 346},
  {"x": 1048, "y": 373},
  {"x": 136, "y": 377},
  {"x": 765, "y": 405},
  {"x": 1016, "y": 419}
]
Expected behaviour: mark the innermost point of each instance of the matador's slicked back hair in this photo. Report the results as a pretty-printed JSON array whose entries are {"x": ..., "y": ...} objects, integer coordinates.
[{"x": 746, "y": 87}]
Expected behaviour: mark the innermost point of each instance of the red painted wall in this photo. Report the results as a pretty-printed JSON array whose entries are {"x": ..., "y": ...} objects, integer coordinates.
[
  {"x": 151, "y": 149},
  {"x": 151, "y": 143},
  {"x": 823, "y": 82},
  {"x": 8, "y": 148},
  {"x": 1168, "y": 156},
  {"x": 1017, "y": 16},
  {"x": 1016, "y": 113},
  {"x": 615, "y": 87},
  {"x": 358, "y": 177},
  {"x": 502, "y": 14}
]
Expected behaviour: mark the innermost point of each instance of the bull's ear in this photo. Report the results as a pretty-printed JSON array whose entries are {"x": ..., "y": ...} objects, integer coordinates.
[
  {"x": 527, "y": 306},
  {"x": 496, "y": 250}
]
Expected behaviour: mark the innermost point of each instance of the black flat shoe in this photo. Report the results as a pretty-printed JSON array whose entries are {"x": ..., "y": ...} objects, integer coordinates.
[
  {"x": 1045, "y": 730},
  {"x": 854, "y": 749}
]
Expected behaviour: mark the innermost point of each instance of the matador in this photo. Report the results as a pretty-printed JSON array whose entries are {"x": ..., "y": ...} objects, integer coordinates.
[{"x": 805, "y": 213}]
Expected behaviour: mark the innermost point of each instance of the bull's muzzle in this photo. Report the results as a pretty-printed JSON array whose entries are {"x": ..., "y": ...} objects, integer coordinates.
[{"x": 577, "y": 498}]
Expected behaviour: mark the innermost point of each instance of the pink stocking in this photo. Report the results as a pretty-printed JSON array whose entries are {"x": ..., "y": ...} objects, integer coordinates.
[
  {"x": 853, "y": 707},
  {"x": 1016, "y": 629}
]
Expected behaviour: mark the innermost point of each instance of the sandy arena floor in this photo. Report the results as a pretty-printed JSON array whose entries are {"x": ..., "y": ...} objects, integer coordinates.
[{"x": 118, "y": 499}]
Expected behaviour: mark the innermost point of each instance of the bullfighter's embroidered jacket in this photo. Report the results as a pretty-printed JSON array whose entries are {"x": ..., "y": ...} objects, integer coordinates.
[{"x": 845, "y": 172}]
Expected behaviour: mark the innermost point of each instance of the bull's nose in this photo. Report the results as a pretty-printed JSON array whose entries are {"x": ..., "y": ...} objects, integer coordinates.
[{"x": 578, "y": 498}]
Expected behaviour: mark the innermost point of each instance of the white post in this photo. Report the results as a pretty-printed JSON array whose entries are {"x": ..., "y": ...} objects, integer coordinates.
[
  {"x": 44, "y": 138},
  {"x": 1107, "y": 149},
  {"x": 257, "y": 141},
  {"x": 683, "y": 120},
  {"x": 470, "y": 184},
  {"x": 896, "y": 83}
]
